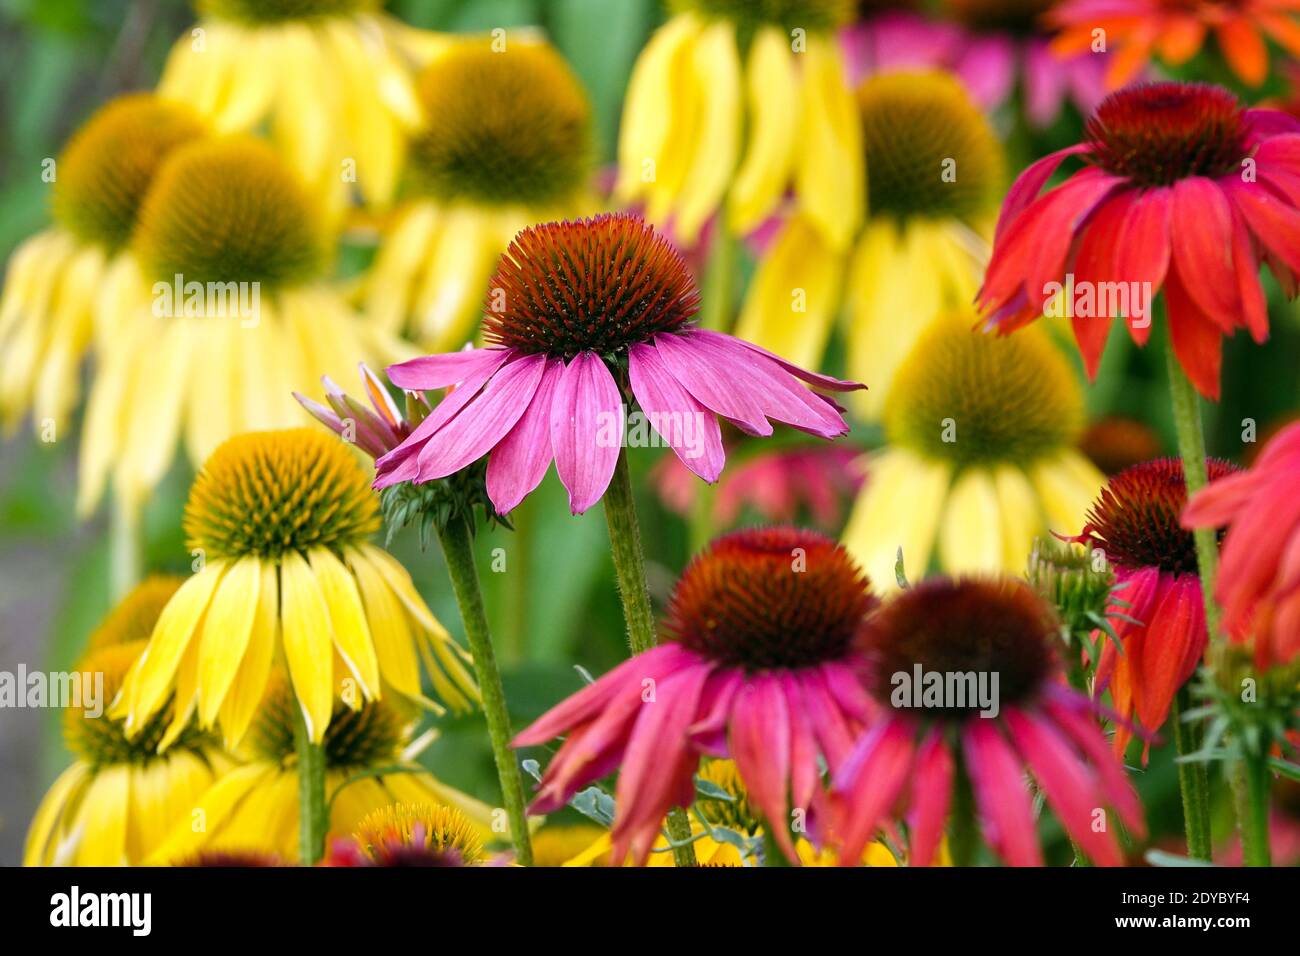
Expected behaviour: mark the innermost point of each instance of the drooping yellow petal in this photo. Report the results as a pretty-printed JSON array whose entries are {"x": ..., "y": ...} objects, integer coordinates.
[
  {"x": 57, "y": 383},
  {"x": 304, "y": 617},
  {"x": 1067, "y": 484},
  {"x": 164, "y": 794},
  {"x": 187, "y": 694},
  {"x": 654, "y": 109},
  {"x": 394, "y": 645},
  {"x": 792, "y": 301},
  {"x": 899, "y": 508},
  {"x": 226, "y": 633},
  {"x": 150, "y": 679},
  {"x": 305, "y": 104},
  {"x": 392, "y": 280},
  {"x": 160, "y": 382},
  {"x": 772, "y": 86},
  {"x": 250, "y": 93},
  {"x": 103, "y": 818},
  {"x": 246, "y": 690},
  {"x": 209, "y": 812},
  {"x": 970, "y": 533},
  {"x": 715, "y": 144},
  {"x": 893, "y": 297},
  {"x": 458, "y": 268},
  {"x": 347, "y": 619},
  {"x": 829, "y": 176},
  {"x": 1022, "y": 519},
  {"x": 44, "y": 833}
]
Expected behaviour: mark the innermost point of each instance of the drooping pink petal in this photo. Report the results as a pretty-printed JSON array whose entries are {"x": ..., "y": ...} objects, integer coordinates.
[
  {"x": 760, "y": 745},
  {"x": 586, "y": 429},
  {"x": 815, "y": 379},
  {"x": 1087, "y": 736},
  {"x": 804, "y": 774},
  {"x": 1000, "y": 793},
  {"x": 519, "y": 461},
  {"x": 1143, "y": 250},
  {"x": 450, "y": 368},
  {"x": 1094, "y": 265},
  {"x": 701, "y": 373},
  {"x": 868, "y": 784},
  {"x": 689, "y": 428},
  {"x": 1201, "y": 227},
  {"x": 1254, "y": 306},
  {"x": 477, "y": 429},
  {"x": 1065, "y": 211},
  {"x": 1176, "y": 637},
  {"x": 1070, "y": 786},
  {"x": 835, "y": 736},
  {"x": 1197, "y": 341},
  {"x": 709, "y": 733},
  {"x": 987, "y": 68},
  {"x": 656, "y": 663},
  {"x": 650, "y": 778},
  {"x": 931, "y": 794},
  {"x": 1030, "y": 183}
]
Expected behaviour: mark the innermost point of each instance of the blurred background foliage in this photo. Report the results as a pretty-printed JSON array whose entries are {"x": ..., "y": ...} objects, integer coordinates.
[{"x": 553, "y": 602}]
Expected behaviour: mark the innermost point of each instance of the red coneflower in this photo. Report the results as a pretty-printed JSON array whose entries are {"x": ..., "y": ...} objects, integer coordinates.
[
  {"x": 571, "y": 301},
  {"x": 758, "y": 665},
  {"x": 1160, "y": 617},
  {"x": 917, "y": 754},
  {"x": 1183, "y": 190},
  {"x": 1259, "y": 577},
  {"x": 1175, "y": 30}
]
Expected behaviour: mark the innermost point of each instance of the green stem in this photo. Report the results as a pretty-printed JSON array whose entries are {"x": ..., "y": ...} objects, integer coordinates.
[
  {"x": 716, "y": 298},
  {"x": 1193, "y": 780},
  {"x": 1191, "y": 446},
  {"x": 629, "y": 561},
  {"x": 963, "y": 837},
  {"x": 1252, "y": 814},
  {"x": 313, "y": 814},
  {"x": 679, "y": 831},
  {"x": 125, "y": 559},
  {"x": 773, "y": 855},
  {"x": 458, "y": 549}
]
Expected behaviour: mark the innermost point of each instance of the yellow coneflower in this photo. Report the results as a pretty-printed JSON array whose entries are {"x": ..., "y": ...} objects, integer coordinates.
[
  {"x": 506, "y": 142},
  {"x": 329, "y": 79},
  {"x": 560, "y": 845},
  {"x": 370, "y": 763},
  {"x": 223, "y": 311},
  {"x": 134, "y": 617},
  {"x": 282, "y": 522},
  {"x": 981, "y": 434},
  {"x": 935, "y": 167},
  {"x": 737, "y": 101},
  {"x": 57, "y": 279},
  {"x": 116, "y": 802}
]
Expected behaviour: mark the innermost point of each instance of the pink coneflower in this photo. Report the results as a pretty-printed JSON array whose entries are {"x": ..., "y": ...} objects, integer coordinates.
[
  {"x": 1160, "y": 617},
  {"x": 571, "y": 305},
  {"x": 1182, "y": 190},
  {"x": 776, "y": 485},
  {"x": 1259, "y": 575},
  {"x": 376, "y": 430},
  {"x": 758, "y": 665},
  {"x": 912, "y": 755},
  {"x": 986, "y": 51}
]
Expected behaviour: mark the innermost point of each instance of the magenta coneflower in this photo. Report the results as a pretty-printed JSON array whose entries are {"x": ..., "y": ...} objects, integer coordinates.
[
  {"x": 575, "y": 310},
  {"x": 1160, "y": 617},
  {"x": 758, "y": 664},
  {"x": 920, "y": 748},
  {"x": 1183, "y": 191}
]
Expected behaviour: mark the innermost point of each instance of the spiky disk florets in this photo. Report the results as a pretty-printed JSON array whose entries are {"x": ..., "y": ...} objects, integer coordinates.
[
  {"x": 599, "y": 285},
  {"x": 1158, "y": 133},
  {"x": 770, "y": 598}
]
